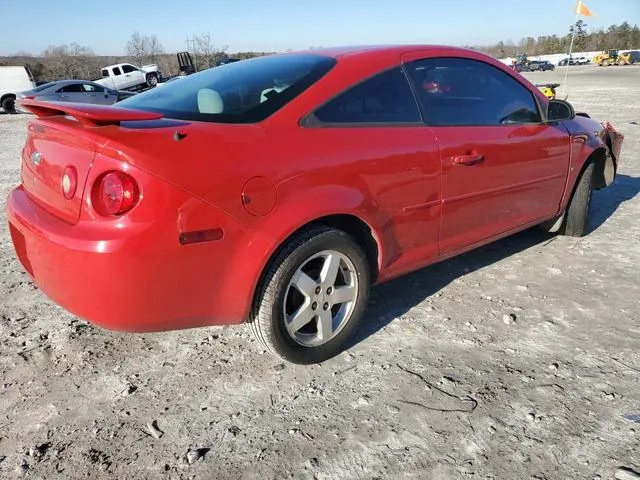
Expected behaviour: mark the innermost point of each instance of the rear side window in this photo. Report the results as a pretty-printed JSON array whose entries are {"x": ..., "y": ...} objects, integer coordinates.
[
  {"x": 44, "y": 86},
  {"x": 87, "y": 87},
  {"x": 383, "y": 99},
  {"x": 240, "y": 92},
  {"x": 73, "y": 88}
]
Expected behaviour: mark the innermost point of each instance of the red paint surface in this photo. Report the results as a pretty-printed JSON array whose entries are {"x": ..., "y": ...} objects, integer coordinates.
[{"x": 132, "y": 273}]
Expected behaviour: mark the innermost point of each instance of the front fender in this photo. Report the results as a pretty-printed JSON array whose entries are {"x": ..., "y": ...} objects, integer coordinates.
[{"x": 592, "y": 140}]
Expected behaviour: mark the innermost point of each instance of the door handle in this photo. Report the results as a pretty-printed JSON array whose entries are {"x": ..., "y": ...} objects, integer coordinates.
[{"x": 468, "y": 159}]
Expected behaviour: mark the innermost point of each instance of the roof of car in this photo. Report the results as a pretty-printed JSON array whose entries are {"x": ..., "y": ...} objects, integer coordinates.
[
  {"x": 68, "y": 82},
  {"x": 341, "y": 51}
]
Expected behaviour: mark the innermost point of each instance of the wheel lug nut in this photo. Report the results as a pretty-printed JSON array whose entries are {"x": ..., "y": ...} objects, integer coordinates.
[
  {"x": 318, "y": 289},
  {"x": 325, "y": 306},
  {"x": 329, "y": 290},
  {"x": 314, "y": 305}
]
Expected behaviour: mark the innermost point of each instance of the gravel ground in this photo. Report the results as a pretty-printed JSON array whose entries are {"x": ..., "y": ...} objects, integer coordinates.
[{"x": 519, "y": 360}]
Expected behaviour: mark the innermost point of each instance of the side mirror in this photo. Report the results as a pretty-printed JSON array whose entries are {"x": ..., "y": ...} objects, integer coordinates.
[{"x": 559, "y": 110}]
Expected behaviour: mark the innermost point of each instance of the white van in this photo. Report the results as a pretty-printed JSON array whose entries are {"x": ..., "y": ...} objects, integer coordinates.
[{"x": 12, "y": 81}]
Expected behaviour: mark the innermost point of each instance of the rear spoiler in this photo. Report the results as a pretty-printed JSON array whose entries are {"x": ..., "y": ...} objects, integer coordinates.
[{"x": 87, "y": 114}]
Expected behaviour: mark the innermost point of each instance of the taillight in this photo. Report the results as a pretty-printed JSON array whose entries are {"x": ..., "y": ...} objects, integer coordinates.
[
  {"x": 69, "y": 182},
  {"x": 115, "y": 193}
]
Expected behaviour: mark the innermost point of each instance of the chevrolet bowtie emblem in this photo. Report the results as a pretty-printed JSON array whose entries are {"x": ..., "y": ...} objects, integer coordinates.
[{"x": 36, "y": 158}]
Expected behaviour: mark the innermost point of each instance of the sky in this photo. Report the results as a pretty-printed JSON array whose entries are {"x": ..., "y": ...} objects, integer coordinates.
[{"x": 266, "y": 25}]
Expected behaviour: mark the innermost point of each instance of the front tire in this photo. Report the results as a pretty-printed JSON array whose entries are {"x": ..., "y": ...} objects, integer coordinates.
[
  {"x": 577, "y": 215},
  {"x": 313, "y": 297}
]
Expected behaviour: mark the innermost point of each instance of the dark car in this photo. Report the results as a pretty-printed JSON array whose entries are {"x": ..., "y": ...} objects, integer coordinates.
[
  {"x": 545, "y": 65},
  {"x": 540, "y": 65},
  {"x": 77, "y": 91},
  {"x": 634, "y": 56}
]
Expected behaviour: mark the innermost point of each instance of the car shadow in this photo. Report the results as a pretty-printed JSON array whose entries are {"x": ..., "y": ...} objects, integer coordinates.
[
  {"x": 606, "y": 201},
  {"x": 395, "y": 298},
  {"x": 392, "y": 299}
]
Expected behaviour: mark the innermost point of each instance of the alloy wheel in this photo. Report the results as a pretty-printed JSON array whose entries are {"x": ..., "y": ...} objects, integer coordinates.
[{"x": 320, "y": 298}]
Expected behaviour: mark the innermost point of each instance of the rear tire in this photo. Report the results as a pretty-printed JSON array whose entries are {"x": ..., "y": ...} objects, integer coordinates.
[
  {"x": 9, "y": 104},
  {"x": 288, "y": 322},
  {"x": 577, "y": 214}
]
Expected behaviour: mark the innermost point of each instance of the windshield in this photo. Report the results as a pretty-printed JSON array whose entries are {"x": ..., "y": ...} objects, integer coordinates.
[{"x": 246, "y": 91}]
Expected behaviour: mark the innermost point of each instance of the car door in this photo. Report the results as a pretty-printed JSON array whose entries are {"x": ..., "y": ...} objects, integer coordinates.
[
  {"x": 98, "y": 94},
  {"x": 374, "y": 132},
  {"x": 119, "y": 80},
  {"x": 502, "y": 167},
  {"x": 132, "y": 76},
  {"x": 72, "y": 92}
]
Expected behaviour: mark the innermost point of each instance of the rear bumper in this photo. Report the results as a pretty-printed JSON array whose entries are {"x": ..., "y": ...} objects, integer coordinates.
[{"x": 135, "y": 279}]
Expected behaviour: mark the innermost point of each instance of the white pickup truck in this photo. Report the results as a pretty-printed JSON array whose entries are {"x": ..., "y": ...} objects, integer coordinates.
[{"x": 124, "y": 76}]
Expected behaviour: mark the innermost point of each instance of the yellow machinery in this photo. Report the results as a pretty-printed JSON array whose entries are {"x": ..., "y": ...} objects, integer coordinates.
[
  {"x": 549, "y": 89},
  {"x": 612, "y": 57}
]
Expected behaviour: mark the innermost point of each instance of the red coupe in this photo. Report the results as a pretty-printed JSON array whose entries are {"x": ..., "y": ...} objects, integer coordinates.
[{"x": 277, "y": 190}]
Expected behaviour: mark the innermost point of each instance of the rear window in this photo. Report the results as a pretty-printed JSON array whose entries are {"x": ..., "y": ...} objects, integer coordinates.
[
  {"x": 42, "y": 87},
  {"x": 239, "y": 92}
]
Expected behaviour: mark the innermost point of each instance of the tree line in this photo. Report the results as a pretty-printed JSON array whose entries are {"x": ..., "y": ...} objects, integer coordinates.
[
  {"x": 77, "y": 61},
  {"x": 74, "y": 61},
  {"x": 618, "y": 37}
]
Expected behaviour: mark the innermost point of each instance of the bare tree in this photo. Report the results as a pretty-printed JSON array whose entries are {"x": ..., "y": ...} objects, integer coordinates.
[
  {"x": 154, "y": 48},
  {"x": 69, "y": 61},
  {"x": 142, "y": 48},
  {"x": 137, "y": 47},
  {"x": 206, "y": 53}
]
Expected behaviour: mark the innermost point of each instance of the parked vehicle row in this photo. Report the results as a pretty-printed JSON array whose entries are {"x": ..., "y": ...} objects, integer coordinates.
[
  {"x": 118, "y": 82},
  {"x": 523, "y": 64},
  {"x": 573, "y": 61}
]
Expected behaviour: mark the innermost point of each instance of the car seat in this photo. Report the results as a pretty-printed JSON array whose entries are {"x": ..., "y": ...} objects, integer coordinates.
[{"x": 210, "y": 101}]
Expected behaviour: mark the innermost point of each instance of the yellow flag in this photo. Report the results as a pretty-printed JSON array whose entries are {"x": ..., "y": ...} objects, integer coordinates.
[{"x": 581, "y": 9}]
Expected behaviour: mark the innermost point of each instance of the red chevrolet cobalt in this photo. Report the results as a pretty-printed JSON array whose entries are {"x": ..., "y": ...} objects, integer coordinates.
[{"x": 277, "y": 190}]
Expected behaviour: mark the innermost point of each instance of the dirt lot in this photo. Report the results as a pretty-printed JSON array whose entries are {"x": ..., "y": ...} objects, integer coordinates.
[{"x": 442, "y": 383}]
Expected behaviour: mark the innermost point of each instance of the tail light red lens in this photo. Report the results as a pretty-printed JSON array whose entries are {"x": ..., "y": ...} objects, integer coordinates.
[{"x": 116, "y": 194}]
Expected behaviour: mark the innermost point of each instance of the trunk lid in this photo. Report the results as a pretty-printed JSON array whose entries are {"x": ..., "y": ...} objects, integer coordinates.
[
  {"x": 55, "y": 142},
  {"x": 49, "y": 150}
]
